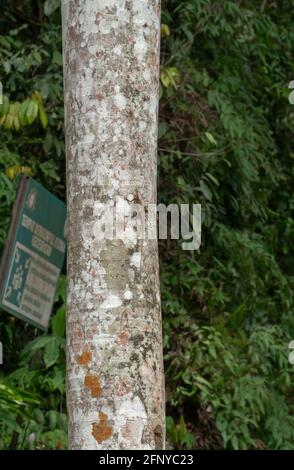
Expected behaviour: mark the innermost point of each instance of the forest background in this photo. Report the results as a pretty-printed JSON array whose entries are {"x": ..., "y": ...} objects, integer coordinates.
[{"x": 225, "y": 141}]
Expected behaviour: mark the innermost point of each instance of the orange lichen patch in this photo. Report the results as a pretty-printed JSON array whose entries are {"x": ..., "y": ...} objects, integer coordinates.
[
  {"x": 123, "y": 338},
  {"x": 93, "y": 383},
  {"x": 84, "y": 358},
  {"x": 101, "y": 431}
]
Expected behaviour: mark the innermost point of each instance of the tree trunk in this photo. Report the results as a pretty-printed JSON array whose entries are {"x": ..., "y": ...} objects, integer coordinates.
[{"x": 115, "y": 386}]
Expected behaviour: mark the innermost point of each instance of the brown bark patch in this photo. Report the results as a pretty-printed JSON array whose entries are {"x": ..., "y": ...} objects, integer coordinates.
[
  {"x": 132, "y": 432},
  {"x": 123, "y": 338},
  {"x": 158, "y": 437},
  {"x": 102, "y": 431},
  {"x": 93, "y": 383},
  {"x": 115, "y": 260},
  {"x": 84, "y": 358},
  {"x": 98, "y": 18},
  {"x": 122, "y": 387}
]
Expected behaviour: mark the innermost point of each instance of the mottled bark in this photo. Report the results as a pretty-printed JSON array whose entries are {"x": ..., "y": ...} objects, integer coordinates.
[{"x": 114, "y": 341}]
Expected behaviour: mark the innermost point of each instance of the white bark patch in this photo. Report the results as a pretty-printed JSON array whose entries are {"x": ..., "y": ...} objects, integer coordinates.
[
  {"x": 117, "y": 50},
  {"x": 146, "y": 74},
  {"x": 112, "y": 301},
  {"x": 136, "y": 260},
  {"x": 130, "y": 237},
  {"x": 140, "y": 48},
  {"x": 104, "y": 4},
  {"x": 128, "y": 295},
  {"x": 120, "y": 101},
  {"x": 133, "y": 408}
]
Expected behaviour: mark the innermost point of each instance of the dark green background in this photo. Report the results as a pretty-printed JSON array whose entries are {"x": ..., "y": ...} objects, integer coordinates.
[{"x": 225, "y": 141}]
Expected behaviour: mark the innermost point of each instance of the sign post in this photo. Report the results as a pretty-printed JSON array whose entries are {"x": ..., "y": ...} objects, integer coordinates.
[{"x": 33, "y": 255}]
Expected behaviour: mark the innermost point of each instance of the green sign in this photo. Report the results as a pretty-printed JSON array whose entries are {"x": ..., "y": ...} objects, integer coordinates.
[{"x": 33, "y": 255}]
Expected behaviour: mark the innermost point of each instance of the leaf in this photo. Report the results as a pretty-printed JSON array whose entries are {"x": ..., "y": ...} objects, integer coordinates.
[
  {"x": 58, "y": 322},
  {"x": 7, "y": 66},
  {"x": 8, "y": 124},
  {"x": 212, "y": 178},
  {"x": 12, "y": 171},
  {"x": 50, "y": 6},
  {"x": 49, "y": 169},
  {"x": 165, "y": 80},
  {"x": 210, "y": 138},
  {"x": 4, "y": 107},
  {"x": 51, "y": 353},
  {"x": 23, "y": 111},
  {"x": 165, "y": 31},
  {"x": 32, "y": 111},
  {"x": 57, "y": 58},
  {"x": 31, "y": 348},
  {"x": 15, "y": 401},
  {"x": 48, "y": 142},
  {"x": 52, "y": 415},
  {"x": 61, "y": 289},
  {"x": 170, "y": 76},
  {"x": 235, "y": 443},
  {"x": 162, "y": 129},
  {"x": 57, "y": 380},
  {"x": 16, "y": 123},
  {"x": 38, "y": 57},
  {"x": 205, "y": 190},
  {"x": 43, "y": 117},
  {"x": 45, "y": 89}
]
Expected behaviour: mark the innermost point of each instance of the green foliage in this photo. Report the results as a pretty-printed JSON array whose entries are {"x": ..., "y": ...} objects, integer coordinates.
[
  {"x": 32, "y": 142},
  {"x": 16, "y": 115},
  {"x": 15, "y": 402},
  {"x": 225, "y": 141},
  {"x": 38, "y": 416},
  {"x": 178, "y": 433}
]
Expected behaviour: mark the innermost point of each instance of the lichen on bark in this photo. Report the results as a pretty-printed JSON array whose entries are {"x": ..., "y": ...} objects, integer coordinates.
[{"x": 115, "y": 389}]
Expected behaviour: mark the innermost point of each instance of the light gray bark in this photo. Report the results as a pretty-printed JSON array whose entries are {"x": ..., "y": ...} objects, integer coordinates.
[{"x": 115, "y": 381}]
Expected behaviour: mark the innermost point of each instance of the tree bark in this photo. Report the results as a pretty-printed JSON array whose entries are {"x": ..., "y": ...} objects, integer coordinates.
[{"x": 115, "y": 385}]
